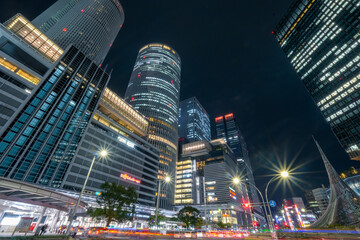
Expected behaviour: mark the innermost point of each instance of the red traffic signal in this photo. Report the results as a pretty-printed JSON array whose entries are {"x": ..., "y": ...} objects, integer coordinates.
[{"x": 245, "y": 205}]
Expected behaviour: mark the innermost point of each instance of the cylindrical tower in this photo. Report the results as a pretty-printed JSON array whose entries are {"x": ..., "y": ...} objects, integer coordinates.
[
  {"x": 154, "y": 90},
  {"x": 89, "y": 25}
]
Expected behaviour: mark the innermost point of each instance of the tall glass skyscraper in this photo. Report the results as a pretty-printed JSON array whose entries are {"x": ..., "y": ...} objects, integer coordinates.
[
  {"x": 194, "y": 122},
  {"x": 89, "y": 25},
  {"x": 41, "y": 139},
  {"x": 154, "y": 90},
  {"x": 228, "y": 129},
  {"x": 55, "y": 113},
  {"x": 322, "y": 41}
]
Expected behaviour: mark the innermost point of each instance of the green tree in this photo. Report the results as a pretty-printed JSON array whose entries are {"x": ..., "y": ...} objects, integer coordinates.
[
  {"x": 189, "y": 215},
  {"x": 116, "y": 203},
  {"x": 199, "y": 223},
  {"x": 174, "y": 219},
  {"x": 222, "y": 225},
  {"x": 160, "y": 218}
]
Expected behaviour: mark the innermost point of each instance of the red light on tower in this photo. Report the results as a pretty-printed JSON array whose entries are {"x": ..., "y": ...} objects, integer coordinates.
[
  {"x": 218, "y": 119},
  {"x": 110, "y": 44},
  {"x": 82, "y": 10},
  {"x": 169, "y": 104},
  {"x": 64, "y": 29},
  {"x": 144, "y": 57},
  {"x": 132, "y": 98},
  {"x": 229, "y": 116},
  {"x": 172, "y": 81},
  {"x": 139, "y": 75}
]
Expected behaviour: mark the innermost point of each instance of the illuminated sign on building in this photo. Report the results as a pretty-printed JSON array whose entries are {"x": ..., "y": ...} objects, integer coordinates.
[
  {"x": 232, "y": 193},
  {"x": 131, "y": 179},
  {"x": 124, "y": 141}
]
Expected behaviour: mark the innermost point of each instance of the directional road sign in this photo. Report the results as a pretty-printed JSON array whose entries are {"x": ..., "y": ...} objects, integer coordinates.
[{"x": 272, "y": 203}]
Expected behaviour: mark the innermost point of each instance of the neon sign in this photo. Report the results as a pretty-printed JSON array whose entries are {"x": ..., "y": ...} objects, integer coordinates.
[{"x": 127, "y": 177}]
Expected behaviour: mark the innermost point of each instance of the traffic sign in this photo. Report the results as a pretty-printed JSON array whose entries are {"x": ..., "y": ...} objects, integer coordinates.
[{"x": 272, "y": 203}]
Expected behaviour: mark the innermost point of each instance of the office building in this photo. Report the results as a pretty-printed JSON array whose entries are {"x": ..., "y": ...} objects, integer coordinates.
[
  {"x": 321, "y": 197},
  {"x": 154, "y": 90},
  {"x": 91, "y": 26},
  {"x": 204, "y": 179},
  {"x": 312, "y": 203},
  {"x": 56, "y": 112},
  {"x": 39, "y": 141},
  {"x": 352, "y": 178},
  {"x": 194, "y": 122},
  {"x": 132, "y": 161},
  {"x": 321, "y": 40},
  {"x": 294, "y": 216},
  {"x": 228, "y": 129},
  {"x": 298, "y": 201}
]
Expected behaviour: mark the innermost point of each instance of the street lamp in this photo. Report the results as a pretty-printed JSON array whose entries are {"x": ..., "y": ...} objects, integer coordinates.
[
  {"x": 283, "y": 174},
  {"x": 167, "y": 179},
  {"x": 237, "y": 180},
  {"x": 102, "y": 154}
]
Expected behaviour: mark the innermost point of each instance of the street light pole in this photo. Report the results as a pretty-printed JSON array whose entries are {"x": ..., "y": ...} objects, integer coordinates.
[
  {"x": 283, "y": 174},
  {"x": 205, "y": 200},
  {"x": 263, "y": 202},
  {"x": 103, "y": 153},
  {"x": 270, "y": 220},
  {"x": 237, "y": 181},
  {"x": 157, "y": 202},
  {"x": 167, "y": 180}
]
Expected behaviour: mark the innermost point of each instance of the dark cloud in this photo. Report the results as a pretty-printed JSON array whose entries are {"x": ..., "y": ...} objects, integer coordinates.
[{"x": 231, "y": 63}]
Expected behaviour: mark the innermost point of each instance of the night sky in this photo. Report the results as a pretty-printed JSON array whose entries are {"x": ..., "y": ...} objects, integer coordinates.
[{"x": 231, "y": 63}]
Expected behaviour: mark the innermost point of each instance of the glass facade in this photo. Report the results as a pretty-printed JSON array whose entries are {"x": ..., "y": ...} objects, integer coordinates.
[
  {"x": 321, "y": 39},
  {"x": 205, "y": 171},
  {"x": 24, "y": 29},
  {"x": 194, "y": 122},
  {"x": 132, "y": 161},
  {"x": 154, "y": 90},
  {"x": 200, "y": 161},
  {"x": 89, "y": 25},
  {"x": 41, "y": 140},
  {"x": 228, "y": 129}
]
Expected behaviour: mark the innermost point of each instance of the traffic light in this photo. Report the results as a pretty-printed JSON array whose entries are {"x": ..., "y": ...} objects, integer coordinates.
[
  {"x": 245, "y": 205},
  {"x": 97, "y": 193},
  {"x": 255, "y": 224}
]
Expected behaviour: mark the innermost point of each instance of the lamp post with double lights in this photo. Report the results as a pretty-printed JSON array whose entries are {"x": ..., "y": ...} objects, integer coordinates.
[
  {"x": 237, "y": 181},
  {"x": 102, "y": 155},
  {"x": 167, "y": 179},
  {"x": 283, "y": 174}
]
